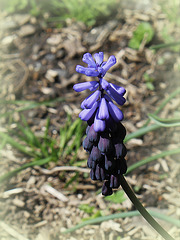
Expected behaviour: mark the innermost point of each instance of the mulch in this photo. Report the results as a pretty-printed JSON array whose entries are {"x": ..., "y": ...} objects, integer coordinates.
[{"x": 40, "y": 66}]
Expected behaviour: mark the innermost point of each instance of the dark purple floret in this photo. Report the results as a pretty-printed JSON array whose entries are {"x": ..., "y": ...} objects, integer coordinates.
[
  {"x": 92, "y": 135},
  {"x": 105, "y": 133},
  {"x": 87, "y": 145},
  {"x": 105, "y": 144},
  {"x": 92, "y": 174},
  {"x": 109, "y": 163},
  {"x": 114, "y": 181},
  {"x": 95, "y": 154},
  {"x": 120, "y": 150},
  {"x": 121, "y": 166},
  {"x": 106, "y": 189}
]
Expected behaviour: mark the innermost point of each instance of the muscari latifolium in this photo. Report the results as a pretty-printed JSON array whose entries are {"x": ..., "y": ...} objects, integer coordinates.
[{"x": 105, "y": 132}]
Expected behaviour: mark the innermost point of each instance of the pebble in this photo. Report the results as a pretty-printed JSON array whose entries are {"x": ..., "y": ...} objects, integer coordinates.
[
  {"x": 60, "y": 53},
  {"x": 26, "y": 30},
  {"x": 50, "y": 57},
  {"x": 111, "y": 225},
  {"x": 8, "y": 40},
  {"x": 21, "y": 19},
  {"x": 54, "y": 39},
  {"x": 7, "y": 24},
  {"x": 51, "y": 74},
  {"x": 17, "y": 202}
]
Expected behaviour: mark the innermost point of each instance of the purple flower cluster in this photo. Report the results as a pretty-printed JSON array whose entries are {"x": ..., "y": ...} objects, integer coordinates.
[{"x": 105, "y": 133}]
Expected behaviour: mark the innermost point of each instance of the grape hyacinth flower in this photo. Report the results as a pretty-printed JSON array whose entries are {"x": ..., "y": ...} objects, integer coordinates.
[{"x": 105, "y": 132}]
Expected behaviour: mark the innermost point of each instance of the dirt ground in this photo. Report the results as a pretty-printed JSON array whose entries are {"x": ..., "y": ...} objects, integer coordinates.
[{"x": 38, "y": 63}]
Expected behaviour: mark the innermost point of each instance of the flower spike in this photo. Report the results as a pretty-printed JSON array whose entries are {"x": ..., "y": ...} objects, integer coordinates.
[{"x": 105, "y": 133}]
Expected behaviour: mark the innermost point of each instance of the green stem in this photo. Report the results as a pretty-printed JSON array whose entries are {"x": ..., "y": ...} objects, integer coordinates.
[
  {"x": 142, "y": 210},
  {"x": 163, "y": 104},
  {"x": 141, "y": 132},
  {"x": 122, "y": 215},
  {"x": 165, "y": 45},
  {"x": 152, "y": 158}
]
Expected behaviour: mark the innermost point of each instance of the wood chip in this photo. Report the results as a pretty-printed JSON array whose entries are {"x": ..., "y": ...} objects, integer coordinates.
[
  {"x": 55, "y": 193},
  {"x": 12, "y": 232}
]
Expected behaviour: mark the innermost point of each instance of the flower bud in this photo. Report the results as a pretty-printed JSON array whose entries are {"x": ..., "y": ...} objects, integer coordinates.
[
  {"x": 106, "y": 189},
  {"x": 121, "y": 166},
  {"x": 95, "y": 154},
  {"x": 105, "y": 144},
  {"x": 109, "y": 163},
  {"x": 120, "y": 150},
  {"x": 114, "y": 181},
  {"x": 92, "y": 174},
  {"x": 87, "y": 145},
  {"x": 92, "y": 135}
]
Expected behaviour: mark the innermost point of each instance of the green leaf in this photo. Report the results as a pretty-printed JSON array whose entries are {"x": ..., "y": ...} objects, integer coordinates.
[
  {"x": 15, "y": 144},
  {"x": 174, "y": 122},
  {"x": 144, "y": 30},
  {"x": 30, "y": 164},
  {"x": 150, "y": 86},
  {"x": 94, "y": 216},
  {"x": 86, "y": 208},
  {"x": 123, "y": 215},
  {"x": 152, "y": 158},
  {"x": 134, "y": 43},
  {"x": 117, "y": 197}
]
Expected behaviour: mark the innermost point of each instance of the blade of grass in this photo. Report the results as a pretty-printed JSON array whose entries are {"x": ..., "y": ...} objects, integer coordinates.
[
  {"x": 163, "y": 122},
  {"x": 31, "y": 105},
  {"x": 31, "y": 138},
  {"x": 163, "y": 104},
  {"x": 3, "y": 144},
  {"x": 63, "y": 136},
  {"x": 22, "y": 102},
  {"x": 161, "y": 216},
  {"x": 152, "y": 158},
  {"x": 140, "y": 132},
  {"x": 15, "y": 144},
  {"x": 164, "y": 45},
  {"x": 30, "y": 164},
  {"x": 72, "y": 128}
]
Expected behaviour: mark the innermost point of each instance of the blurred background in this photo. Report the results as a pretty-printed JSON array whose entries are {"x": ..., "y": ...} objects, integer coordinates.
[{"x": 45, "y": 183}]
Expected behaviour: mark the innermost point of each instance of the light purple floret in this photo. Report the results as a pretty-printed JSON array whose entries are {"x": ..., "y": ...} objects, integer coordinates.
[
  {"x": 79, "y": 87},
  {"x": 110, "y": 62},
  {"x": 99, "y": 57},
  {"x": 115, "y": 95},
  {"x": 86, "y": 114},
  {"x": 119, "y": 89},
  {"x": 99, "y": 125},
  {"x": 99, "y": 107},
  {"x": 87, "y": 58},
  {"x": 103, "y": 110},
  {"x": 115, "y": 112},
  {"x": 96, "y": 68},
  {"x": 90, "y": 100}
]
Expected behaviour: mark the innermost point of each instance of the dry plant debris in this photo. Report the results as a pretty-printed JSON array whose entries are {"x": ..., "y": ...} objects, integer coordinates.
[{"x": 35, "y": 204}]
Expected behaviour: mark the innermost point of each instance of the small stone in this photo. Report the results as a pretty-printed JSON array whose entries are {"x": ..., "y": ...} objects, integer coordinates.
[
  {"x": 17, "y": 202},
  {"x": 51, "y": 74},
  {"x": 27, "y": 214},
  {"x": 8, "y": 40},
  {"x": 21, "y": 19},
  {"x": 54, "y": 39},
  {"x": 48, "y": 91},
  {"x": 50, "y": 57},
  {"x": 26, "y": 30},
  {"x": 7, "y": 23},
  {"x": 60, "y": 53}
]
